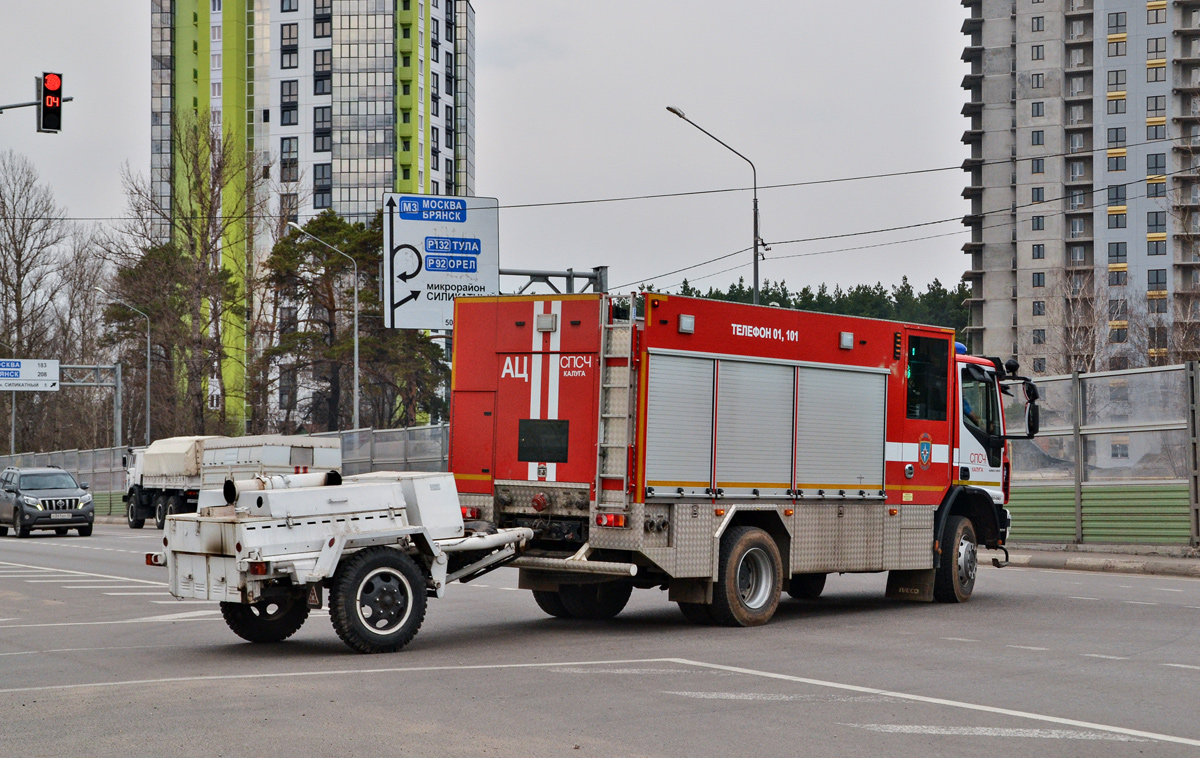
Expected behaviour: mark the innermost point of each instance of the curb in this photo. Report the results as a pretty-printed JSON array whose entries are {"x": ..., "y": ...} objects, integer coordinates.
[{"x": 1152, "y": 566}]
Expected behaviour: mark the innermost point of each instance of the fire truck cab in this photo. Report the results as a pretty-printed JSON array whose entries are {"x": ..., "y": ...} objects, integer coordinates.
[{"x": 726, "y": 452}]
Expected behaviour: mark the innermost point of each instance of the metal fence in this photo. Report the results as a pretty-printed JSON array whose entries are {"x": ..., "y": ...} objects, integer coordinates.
[
  {"x": 420, "y": 448},
  {"x": 1114, "y": 463}
]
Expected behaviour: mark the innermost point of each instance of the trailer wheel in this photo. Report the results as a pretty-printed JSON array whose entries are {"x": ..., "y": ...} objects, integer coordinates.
[
  {"x": 131, "y": 510},
  {"x": 746, "y": 592},
  {"x": 160, "y": 511},
  {"x": 266, "y": 621},
  {"x": 955, "y": 578},
  {"x": 595, "y": 602},
  {"x": 377, "y": 600},
  {"x": 806, "y": 586},
  {"x": 697, "y": 613},
  {"x": 551, "y": 603}
]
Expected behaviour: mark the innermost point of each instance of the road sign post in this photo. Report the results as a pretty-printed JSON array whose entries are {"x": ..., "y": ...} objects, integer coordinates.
[{"x": 435, "y": 249}]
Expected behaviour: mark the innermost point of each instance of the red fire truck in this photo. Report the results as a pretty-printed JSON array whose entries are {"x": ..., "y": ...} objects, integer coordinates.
[{"x": 726, "y": 452}]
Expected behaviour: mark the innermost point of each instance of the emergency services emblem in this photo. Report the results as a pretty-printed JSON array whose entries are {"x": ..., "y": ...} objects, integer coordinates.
[{"x": 925, "y": 451}]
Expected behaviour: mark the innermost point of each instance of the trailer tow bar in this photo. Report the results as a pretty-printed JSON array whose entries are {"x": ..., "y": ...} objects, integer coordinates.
[{"x": 1001, "y": 563}]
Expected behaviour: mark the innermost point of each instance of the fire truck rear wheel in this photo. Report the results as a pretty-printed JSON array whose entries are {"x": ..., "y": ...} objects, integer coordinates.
[
  {"x": 697, "y": 613},
  {"x": 955, "y": 578},
  {"x": 266, "y": 621},
  {"x": 377, "y": 600},
  {"x": 747, "y": 589},
  {"x": 551, "y": 603},
  {"x": 160, "y": 511},
  {"x": 595, "y": 601},
  {"x": 806, "y": 586}
]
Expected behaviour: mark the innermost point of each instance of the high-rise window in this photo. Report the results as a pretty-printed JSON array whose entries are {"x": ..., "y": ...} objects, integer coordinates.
[
  {"x": 1156, "y": 48},
  {"x": 1118, "y": 336},
  {"x": 289, "y": 147},
  {"x": 322, "y": 27},
  {"x": 1156, "y": 164},
  {"x": 1156, "y": 279},
  {"x": 289, "y": 59},
  {"x": 1039, "y": 223},
  {"x": 1038, "y": 109},
  {"x": 1116, "y": 23},
  {"x": 1116, "y": 221},
  {"x": 1116, "y": 80},
  {"x": 322, "y": 143},
  {"x": 1037, "y": 81},
  {"x": 1117, "y": 278},
  {"x": 1116, "y": 106},
  {"x": 1039, "y": 307},
  {"x": 1038, "y": 51},
  {"x": 287, "y": 6},
  {"x": 1039, "y": 23},
  {"x": 323, "y": 117},
  {"x": 1039, "y": 279},
  {"x": 1037, "y": 137},
  {"x": 322, "y": 61},
  {"x": 1156, "y": 247},
  {"x": 1039, "y": 251},
  {"x": 289, "y": 34},
  {"x": 1118, "y": 309},
  {"x": 289, "y": 91},
  {"x": 1156, "y": 74},
  {"x": 1038, "y": 165},
  {"x": 1038, "y": 195},
  {"x": 1116, "y": 49},
  {"x": 1156, "y": 305},
  {"x": 1039, "y": 365},
  {"x": 1116, "y": 195},
  {"x": 1156, "y": 222},
  {"x": 1156, "y": 16},
  {"x": 1116, "y": 163},
  {"x": 1039, "y": 336},
  {"x": 1117, "y": 252},
  {"x": 1156, "y": 106},
  {"x": 1156, "y": 131},
  {"x": 1116, "y": 136},
  {"x": 1156, "y": 189}
]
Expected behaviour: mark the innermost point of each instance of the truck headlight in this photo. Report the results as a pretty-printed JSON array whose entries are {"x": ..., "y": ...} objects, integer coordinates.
[
  {"x": 31, "y": 501},
  {"x": 85, "y": 500}
]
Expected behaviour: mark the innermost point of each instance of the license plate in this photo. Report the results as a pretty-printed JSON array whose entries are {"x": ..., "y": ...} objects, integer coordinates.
[{"x": 61, "y": 515}]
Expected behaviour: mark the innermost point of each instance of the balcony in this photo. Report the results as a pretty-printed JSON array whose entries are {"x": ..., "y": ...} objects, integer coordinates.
[
  {"x": 970, "y": 81},
  {"x": 972, "y": 136},
  {"x": 972, "y": 25},
  {"x": 972, "y": 191},
  {"x": 972, "y": 53}
]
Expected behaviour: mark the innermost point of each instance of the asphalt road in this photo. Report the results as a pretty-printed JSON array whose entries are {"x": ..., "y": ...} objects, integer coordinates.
[{"x": 97, "y": 659}]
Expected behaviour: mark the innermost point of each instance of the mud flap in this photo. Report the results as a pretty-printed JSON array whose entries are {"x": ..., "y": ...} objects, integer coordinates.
[{"x": 911, "y": 585}]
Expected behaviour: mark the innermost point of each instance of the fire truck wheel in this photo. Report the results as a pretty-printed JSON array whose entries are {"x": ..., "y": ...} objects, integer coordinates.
[
  {"x": 267, "y": 621},
  {"x": 697, "y": 613},
  {"x": 955, "y": 578},
  {"x": 160, "y": 511},
  {"x": 746, "y": 592},
  {"x": 377, "y": 600},
  {"x": 806, "y": 586},
  {"x": 135, "y": 497},
  {"x": 551, "y": 603},
  {"x": 595, "y": 601}
]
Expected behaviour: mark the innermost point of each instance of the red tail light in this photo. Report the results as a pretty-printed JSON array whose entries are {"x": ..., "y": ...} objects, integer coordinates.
[
  {"x": 611, "y": 519},
  {"x": 470, "y": 513},
  {"x": 258, "y": 568}
]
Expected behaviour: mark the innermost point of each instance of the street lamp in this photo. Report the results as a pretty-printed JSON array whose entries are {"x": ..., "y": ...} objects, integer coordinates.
[
  {"x": 147, "y": 317},
  {"x": 679, "y": 113},
  {"x": 297, "y": 227}
]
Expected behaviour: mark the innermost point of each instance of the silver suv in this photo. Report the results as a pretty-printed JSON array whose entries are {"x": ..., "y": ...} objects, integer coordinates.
[{"x": 44, "y": 498}]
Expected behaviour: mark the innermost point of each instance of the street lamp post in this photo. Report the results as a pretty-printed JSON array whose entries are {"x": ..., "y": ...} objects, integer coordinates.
[
  {"x": 12, "y": 430},
  {"x": 144, "y": 315},
  {"x": 754, "y": 170},
  {"x": 297, "y": 227}
]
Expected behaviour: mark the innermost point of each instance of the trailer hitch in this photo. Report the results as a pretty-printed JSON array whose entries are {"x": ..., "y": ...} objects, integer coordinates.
[{"x": 1001, "y": 563}]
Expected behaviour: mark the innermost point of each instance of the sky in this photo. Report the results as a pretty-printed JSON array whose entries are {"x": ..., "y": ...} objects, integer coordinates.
[{"x": 571, "y": 103}]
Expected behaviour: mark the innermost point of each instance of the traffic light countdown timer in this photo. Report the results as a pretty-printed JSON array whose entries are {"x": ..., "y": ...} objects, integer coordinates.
[{"x": 49, "y": 110}]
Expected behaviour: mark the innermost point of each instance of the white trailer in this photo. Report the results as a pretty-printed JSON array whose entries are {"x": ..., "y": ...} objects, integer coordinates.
[
  {"x": 267, "y": 549},
  {"x": 166, "y": 477}
]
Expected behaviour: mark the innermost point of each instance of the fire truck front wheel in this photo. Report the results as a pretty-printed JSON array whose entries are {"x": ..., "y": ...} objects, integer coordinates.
[
  {"x": 595, "y": 602},
  {"x": 746, "y": 592},
  {"x": 955, "y": 578},
  {"x": 267, "y": 621},
  {"x": 551, "y": 603},
  {"x": 377, "y": 600}
]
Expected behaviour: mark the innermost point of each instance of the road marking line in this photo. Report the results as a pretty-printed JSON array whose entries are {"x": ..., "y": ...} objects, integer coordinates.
[
  {"x": 137, "y": 594},
  {"x": 683, "y": 661},
  {"x": 1165, "y": 589},
  {"x": 64, "y": 579},
  {"x": 1105, "y": 657},
  {"x": 96, "y": 587},
  {"x": 1182, "y": 666},
  {"x": 951, "y": 703},
  {"x": 1073, "y": 597},
  {"x": 959, "y": 639},
  {"x": 177, "y": 616},
  {"x": 990, "y": 731},
  {"x": 772, "y": 697},
  {"x": 1193, "y": 607},
  {"x": 1027, "y": 647},
  {"x": 148, "y": 620},
  {"x": 86, "y": 573},
  {"x": 1139, "y": 602},
  {"x": 182, "y": 602},
  {"x": 88, "y": 649}
]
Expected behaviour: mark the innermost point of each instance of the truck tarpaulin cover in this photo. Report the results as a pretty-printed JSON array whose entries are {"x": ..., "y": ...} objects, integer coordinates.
[{"x": 174, "y": 456}]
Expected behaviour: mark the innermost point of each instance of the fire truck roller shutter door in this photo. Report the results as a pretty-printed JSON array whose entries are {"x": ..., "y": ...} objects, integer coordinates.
[
  {"x": 840, "y": 430},
  {"x": 679, "y": 423},
  {"x": 754, "y": 428}
]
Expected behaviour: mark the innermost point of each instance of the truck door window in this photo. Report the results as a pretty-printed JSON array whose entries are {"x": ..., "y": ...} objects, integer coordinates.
[
  {"x": 927, "y": 374},
  {"x": 981, "y": 409},
  {"x": 542, "y": 441}
]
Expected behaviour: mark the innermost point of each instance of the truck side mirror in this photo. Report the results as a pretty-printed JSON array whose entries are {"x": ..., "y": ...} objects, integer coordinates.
[
  {"x": 1031, "y": 392},
  {"x": 1032, "y": 417},
  {"x": 9, "y": 488},
  {"x": 84, "y": 485}
]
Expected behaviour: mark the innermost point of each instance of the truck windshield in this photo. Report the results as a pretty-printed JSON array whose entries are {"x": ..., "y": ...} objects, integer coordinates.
[{"x": 63, "y": 481}]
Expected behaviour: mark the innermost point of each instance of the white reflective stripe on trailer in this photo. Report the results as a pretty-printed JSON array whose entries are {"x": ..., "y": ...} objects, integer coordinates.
[
  {"x": 679, "y": 419},
  {"x": 840, "y": 428}
]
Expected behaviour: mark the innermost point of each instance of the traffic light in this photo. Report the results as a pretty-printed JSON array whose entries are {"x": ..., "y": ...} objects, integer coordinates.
[{"x": 49, "y": 108}]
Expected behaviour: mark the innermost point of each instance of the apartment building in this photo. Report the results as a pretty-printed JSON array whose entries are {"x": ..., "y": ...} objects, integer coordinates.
[
  {"x": 1084, "y": 188},
  {"x": 335, "y": 103}
]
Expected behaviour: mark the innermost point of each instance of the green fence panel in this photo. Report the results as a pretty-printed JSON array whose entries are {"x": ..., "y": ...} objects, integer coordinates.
[
  {"x": 108, "y": 503},
  {"x": 1137, "y": 514},
  {"x": 1042, "y": 514}
]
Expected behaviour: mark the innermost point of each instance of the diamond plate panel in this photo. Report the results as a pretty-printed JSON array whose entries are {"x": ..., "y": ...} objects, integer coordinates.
[
  {"x": 616, "y": 432},
  {"x": 815, "y": 538},
  {"x": 618, "y": 341},
  {"x": 483, "y": 502},
  {"x": 561, "y": 494},
  {"x": 891, "y": 542},
  {"x": 616, "y": 401},
  {"x": 612, "y": 497},
  {"x": 656, "y": 539},
  {"x": 613, "y": 463},
  {"x": 917, "y": 517},
  {"x": 691, "y": 534},
  {"x": 862, "y": 538},
  {"x": 616, "y": 376},
  {"x": 916, "y": 548}
]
